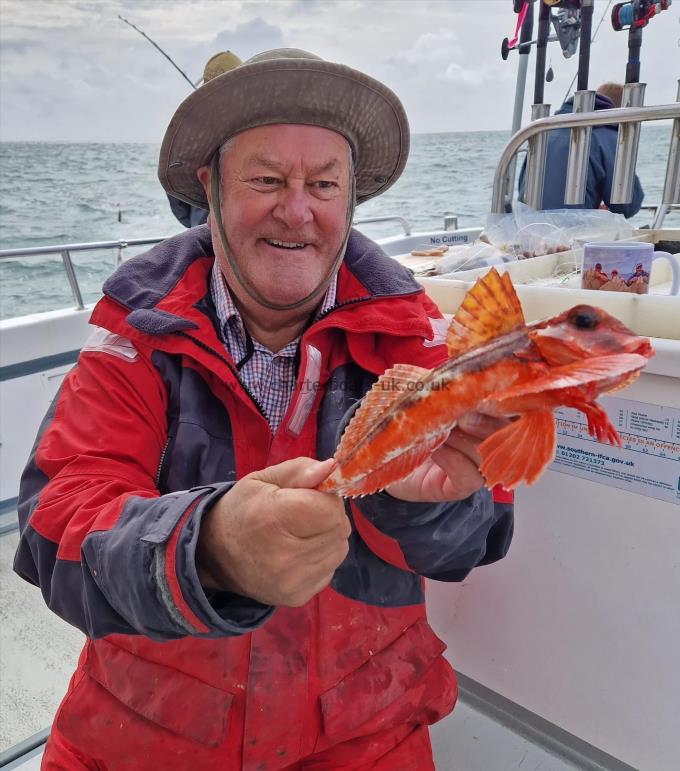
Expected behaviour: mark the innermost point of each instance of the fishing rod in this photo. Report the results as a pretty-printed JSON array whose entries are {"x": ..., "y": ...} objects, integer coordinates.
[
  {"x": 635, "y": 16},
  {"x": 156, "y": 46},
  {"x": 592, "y": 40},
  {"x": 566, "y": 22},
  {"x": 524, "y": 28}
]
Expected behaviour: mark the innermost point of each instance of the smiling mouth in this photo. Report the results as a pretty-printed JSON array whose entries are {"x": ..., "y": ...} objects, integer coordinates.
[{"x": 292, "y": 245}]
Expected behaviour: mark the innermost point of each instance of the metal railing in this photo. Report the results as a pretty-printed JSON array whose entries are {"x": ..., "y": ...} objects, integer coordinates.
[
  {"x": 671, "y": 194},
  {"x": 370, "y": 220},
  {"x": 65, "y": 251}
]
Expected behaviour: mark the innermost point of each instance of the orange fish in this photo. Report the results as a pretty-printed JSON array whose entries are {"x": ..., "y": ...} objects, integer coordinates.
[{"x": 498, "y": 365}]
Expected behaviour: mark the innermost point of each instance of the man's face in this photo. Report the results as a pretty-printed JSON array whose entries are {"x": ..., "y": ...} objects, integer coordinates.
[{"x": 285, "y": 195}]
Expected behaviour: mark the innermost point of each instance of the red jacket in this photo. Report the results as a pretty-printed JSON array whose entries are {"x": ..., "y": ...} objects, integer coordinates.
[{"x": 152, "y": 426}]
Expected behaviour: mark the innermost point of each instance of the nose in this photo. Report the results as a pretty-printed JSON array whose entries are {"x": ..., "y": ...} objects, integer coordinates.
[{"x": 293, "y": 207}]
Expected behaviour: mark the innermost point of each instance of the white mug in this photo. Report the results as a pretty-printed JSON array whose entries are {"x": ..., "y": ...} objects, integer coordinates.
[{"x": 623, "y": 266}]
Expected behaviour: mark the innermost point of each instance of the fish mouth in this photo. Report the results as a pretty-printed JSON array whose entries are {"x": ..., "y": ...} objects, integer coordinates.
[{"x": 644, "y": 348}]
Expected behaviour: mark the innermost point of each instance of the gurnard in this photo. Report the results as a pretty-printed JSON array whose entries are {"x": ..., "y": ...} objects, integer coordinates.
[{"x": 499, "y": 365}]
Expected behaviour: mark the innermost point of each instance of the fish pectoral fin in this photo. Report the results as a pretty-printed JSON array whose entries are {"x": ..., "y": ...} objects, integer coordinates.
[
  {"x": 387, "y": 389},
  {"x": 491, "y": 308},
  {"x": 520, "y": 451},
  {"x": 599, "y": 425},
  {"x": 596, "y": 370}
]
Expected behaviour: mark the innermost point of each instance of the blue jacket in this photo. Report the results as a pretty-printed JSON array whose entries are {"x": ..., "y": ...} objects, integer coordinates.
[
  {"x": 603, "y": 141},
  {"x": 188, "y": 215}
]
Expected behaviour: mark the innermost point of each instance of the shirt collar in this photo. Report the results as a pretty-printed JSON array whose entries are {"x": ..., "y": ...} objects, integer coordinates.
[{"x": 227, "y": 310}]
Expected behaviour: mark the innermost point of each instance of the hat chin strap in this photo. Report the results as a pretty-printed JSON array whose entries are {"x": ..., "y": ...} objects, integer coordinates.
[{"x": 216, "y": 210}]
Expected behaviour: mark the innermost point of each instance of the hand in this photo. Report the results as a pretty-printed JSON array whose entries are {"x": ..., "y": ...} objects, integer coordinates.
[
  {"x": 451, "y": 473},
  {"x": 274, "y": 538}
]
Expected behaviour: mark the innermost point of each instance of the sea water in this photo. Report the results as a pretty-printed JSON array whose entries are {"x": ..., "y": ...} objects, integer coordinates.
[{"x": 58, "y": 193}]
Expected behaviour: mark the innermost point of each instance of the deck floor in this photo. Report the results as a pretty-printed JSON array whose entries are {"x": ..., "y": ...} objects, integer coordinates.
[{"x": 38, "y": 653}]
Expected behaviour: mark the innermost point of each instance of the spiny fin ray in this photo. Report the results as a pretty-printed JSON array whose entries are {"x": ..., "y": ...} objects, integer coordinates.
[
  {"x": 593, "y": 371},
  {"x": 392, "y": 471},
  {"x": 389, "y": 387},
  {"x": 490, "y": 309}
]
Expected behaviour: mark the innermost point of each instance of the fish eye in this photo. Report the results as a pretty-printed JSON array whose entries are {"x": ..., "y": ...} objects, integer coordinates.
[{"x": 583, "y": 317}]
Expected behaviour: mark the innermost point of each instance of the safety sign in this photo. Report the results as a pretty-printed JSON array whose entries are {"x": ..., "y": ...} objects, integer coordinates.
[{"x": 648, "y": 463}]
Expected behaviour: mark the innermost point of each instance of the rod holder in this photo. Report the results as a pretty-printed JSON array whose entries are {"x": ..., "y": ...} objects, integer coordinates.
[
  {"x": 627, "y": 147},
  {"x": 533, "y": 185},
  {"x": 509, "y": 183},
  {"x": 579, "y": 153},
  {"x": 671, "y": 188}
]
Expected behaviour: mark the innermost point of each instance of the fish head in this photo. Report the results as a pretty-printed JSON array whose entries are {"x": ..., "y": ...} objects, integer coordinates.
[{"x": 584, "y": 332}]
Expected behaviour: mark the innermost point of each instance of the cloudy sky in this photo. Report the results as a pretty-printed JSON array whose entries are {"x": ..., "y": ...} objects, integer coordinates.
[{"x": 71, "y": 70}]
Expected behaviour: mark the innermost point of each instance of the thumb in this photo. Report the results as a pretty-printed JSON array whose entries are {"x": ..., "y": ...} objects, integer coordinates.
[{"x": 298, "y": 472}]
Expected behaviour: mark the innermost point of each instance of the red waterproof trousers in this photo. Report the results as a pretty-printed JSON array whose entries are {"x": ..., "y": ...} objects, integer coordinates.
[{"x": 402, "y": 749}]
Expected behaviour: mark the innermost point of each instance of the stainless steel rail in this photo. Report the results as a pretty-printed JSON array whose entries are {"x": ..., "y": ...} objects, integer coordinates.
[
  {"x": 369, "y": 220},
  {"x": 65, "y": 251},
  {"x": 571, "y": 120}
]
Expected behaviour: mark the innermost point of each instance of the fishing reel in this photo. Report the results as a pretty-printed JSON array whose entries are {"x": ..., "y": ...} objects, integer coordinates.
[
  {"x": 565, "y": 19},
  {"x": 637, "y": 14}
]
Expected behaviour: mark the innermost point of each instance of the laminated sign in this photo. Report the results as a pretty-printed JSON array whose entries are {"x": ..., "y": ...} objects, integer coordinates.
[{"x": 648, "y": 463}]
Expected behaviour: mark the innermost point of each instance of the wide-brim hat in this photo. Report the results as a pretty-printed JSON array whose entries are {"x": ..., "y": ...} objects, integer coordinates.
[{"x": 287, "y": 85}]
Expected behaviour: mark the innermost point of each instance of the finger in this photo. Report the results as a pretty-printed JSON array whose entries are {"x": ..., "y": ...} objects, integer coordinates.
[
  {"x": 318, "y": 548},
  {"x": 462, "y": 472},
  {"x": 296, "y": 473},
  {"x": 479, "y": 425},
  {"x": 319, "y": 578},
  {"x": 306, "y": 513},
  {"x": 463, "y": 443},
  {"x": 326, "y": 556}
]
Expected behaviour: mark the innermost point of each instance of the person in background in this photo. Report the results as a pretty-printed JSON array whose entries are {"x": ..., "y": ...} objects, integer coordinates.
[
  {"x": 638, "y": 273},
  {"x": 237, "y": 617},
  {"x": 189, "y": 215},
  {"x": 603, "y": 141}
]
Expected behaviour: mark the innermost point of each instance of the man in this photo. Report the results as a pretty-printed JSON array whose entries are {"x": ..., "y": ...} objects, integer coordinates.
[
  {"x": 603, "y": 142},
  {"x": 189, "y": 215},
  {"x": 237, "y": 618},
  {"x": 639, "y": 274}
]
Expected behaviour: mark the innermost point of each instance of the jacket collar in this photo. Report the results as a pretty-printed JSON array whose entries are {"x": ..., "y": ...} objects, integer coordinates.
[{"x": 164, "y": 290}]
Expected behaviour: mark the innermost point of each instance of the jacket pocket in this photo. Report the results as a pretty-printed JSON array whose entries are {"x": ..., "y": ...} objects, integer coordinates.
[
  {"x": 408, "y": 681},
  {"x": 126, "y": 710}
]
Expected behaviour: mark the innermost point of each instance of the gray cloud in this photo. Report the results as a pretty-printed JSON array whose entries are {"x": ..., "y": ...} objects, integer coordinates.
[
  {"x": 89, "y": 77},
  {"x": 250, "y": 38}
]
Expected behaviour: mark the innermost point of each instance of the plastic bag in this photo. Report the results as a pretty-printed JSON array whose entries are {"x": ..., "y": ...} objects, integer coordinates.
[
  {"x": 529, "y": 233},
  {"x": 468, "y": 256}
]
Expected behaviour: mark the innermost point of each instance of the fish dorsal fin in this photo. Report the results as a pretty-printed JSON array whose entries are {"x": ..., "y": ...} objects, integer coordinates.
[
  {"x": 386, "y": 390},
  {"x": 491, "y": 308}
]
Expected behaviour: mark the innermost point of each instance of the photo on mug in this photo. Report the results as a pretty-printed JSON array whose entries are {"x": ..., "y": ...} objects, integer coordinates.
[{"x": 615, "y": 271}]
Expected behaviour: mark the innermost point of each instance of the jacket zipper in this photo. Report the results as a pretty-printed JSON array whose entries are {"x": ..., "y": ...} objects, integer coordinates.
[
  {"x": 164, "y": 452},
  {"x": 231, "y": 368},
  {"x": 341, "y": 305}
]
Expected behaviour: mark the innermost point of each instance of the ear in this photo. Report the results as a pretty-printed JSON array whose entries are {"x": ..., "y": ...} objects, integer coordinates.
[{"x": 203, "y": 174}]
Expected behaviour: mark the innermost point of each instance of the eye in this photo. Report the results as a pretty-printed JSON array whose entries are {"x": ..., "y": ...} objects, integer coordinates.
[
  {"x": 266, "y": 180},
  {"x": 583, "y": 317}
]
